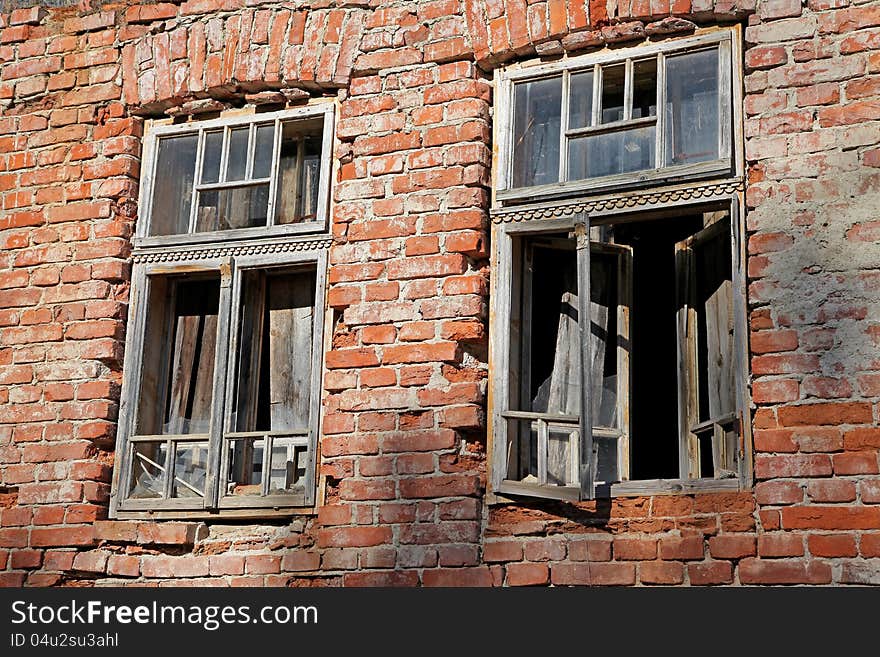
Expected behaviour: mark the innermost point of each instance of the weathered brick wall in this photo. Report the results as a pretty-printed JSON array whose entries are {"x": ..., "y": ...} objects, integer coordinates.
[{"x": 403, "y": 442}]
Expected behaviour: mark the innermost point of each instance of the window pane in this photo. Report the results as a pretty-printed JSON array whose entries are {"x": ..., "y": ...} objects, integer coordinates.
[
  {"x": 265, "y": 145},
  {"x": 245, "y": 475},
  {"x": 238, "y": 150},
  {"x": 275, "y": 352},
  {"x": 288, "y": 467},
  {"x": 543, "y": 452},
  {"x": 692, "y": 131},
  {"x": 147, "y": 479},
  {"x": 190, "y": 466},
  {"x": 644, "y": 88},
  {"x": 211, "y": 157},
  {"x": 299, "y": 171},
  {"x": 611, "y": 153},
  {"x": 238, "y": 207},
  {"x": 172, "y": 187},
  {"x": 538, "y": 106},
  {"x": 178, "y": 368},
  {"x": 562, "y": 453},
  {"x": 613, "y": 78},
  {"x": 580, "y": 104}
]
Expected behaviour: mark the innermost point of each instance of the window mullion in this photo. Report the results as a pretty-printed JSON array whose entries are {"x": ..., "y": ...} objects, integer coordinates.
[
  {"x": 564, "y": 122},
  {"x": 218, "y": 405},
  {"x": 628, "y": 90},
  {"x": 660, "y": 132},
  {"x": 597, "y": 95},
  {"x": 587, "y": 456},
  {"x": 251, "y": 149},
  {"x": 273, "y": 173},
  {"x": 197, "y": 179}
]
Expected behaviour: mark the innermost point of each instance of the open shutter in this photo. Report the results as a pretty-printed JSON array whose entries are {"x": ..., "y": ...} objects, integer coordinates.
[
  {"x": 740, "y": 340},
  {"x": 587, "y": 457},
  {"x": 707, "y": 353},
  {"x": 610, "y": 304}
]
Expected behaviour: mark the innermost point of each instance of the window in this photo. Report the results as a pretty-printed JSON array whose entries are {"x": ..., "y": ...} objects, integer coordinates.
[
  {"x": 593, "y": 122},
  {"x": 619, "y": 315},
  {"x": 220, "y": 398}
]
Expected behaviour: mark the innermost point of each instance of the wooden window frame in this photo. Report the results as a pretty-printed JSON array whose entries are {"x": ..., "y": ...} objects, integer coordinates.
[
  {"x": 325, "y": 110},
  {"x": 505, "y": 287},
  {"x": 228, "y": 254},
  {"x": 728, "y": 164}
]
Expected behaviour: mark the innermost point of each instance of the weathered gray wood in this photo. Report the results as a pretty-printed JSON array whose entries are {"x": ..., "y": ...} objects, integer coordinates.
[
  {"x": 290, "y": 307},
  {"x": 743, "y": 450},
  {"x": 673, "y": 486},
  {"x": 587, "y": 454},
  {"x": 689, "y": 445}
]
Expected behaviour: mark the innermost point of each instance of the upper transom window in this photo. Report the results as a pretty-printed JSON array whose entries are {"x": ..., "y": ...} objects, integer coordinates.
[
  {"x": 638, "y": 115},
  {"x": 249, "y": 174}
]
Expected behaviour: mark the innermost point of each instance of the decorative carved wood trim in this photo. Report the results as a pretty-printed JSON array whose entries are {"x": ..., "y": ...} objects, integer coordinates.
[{"x": 640, "y": 200}]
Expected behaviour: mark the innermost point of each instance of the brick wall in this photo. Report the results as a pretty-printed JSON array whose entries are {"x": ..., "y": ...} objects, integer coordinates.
[{"x": 403, "y": 442}]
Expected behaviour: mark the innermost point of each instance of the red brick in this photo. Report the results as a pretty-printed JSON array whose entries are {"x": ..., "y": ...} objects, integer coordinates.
[
  {"x": 780, "y": 545},
  {"x": 760, "y": 571},
  {"x": 527, "y": 574},
  {"x": 710, "y": 573},
  {"x": 832, "y": 545},
  {"x": 831, "y": 517},
  {"x": 661, "y": 572},
  {"x": 593, "y": 574}
]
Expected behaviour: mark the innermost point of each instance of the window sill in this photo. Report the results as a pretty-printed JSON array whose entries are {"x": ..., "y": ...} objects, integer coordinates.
[
  {"x": 222, "y": 514},
  {"x": 673, "y": 487},
  {"x": 512, "y": 491},
  {"x": 229, "y": 236}
]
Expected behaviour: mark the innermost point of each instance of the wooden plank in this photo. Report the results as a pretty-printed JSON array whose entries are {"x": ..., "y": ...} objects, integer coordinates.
[
  {"x": 290, "y": 308},
  {"x": 587, "y": 456},
  {"x": 689, "y": 447}
]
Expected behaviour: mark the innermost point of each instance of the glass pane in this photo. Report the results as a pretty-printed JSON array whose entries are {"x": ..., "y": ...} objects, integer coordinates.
[
  {"x": 147, "y": 480},
  {"x": 299, "y": 169},
  {"x": 190, "y": 466},
  {"x": 611, "y": 153},
  {"x": 265, "y": 145},
  {"x": 580, "y": 104},
  {"x": 237, "y": 207},
  {"x": 536, "y": 126},
  {"x": 613, "y": 78},
  {"x": 275, "y": 352},
  {"x": 172, "y": 188},
  {"x": 177, "y": 374},
  {"x": 245, "y": 476},
  {"x": 288, "y": 466},
  {"x": 211, "y": 157},
  {"x": 238, "y": 150},
  {"x": 562, "y": 454},
  {"x": 692, "y": 131},
  {"x": 644, "y": 89}
]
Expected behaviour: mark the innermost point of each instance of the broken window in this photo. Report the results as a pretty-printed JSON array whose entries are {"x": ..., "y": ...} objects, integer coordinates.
[
  {"x": 220, "y": 402},
  {"x": 619, "y": 332},
  {"x": 656, "y": 328},
  {"x": 658, "y": 111}
]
